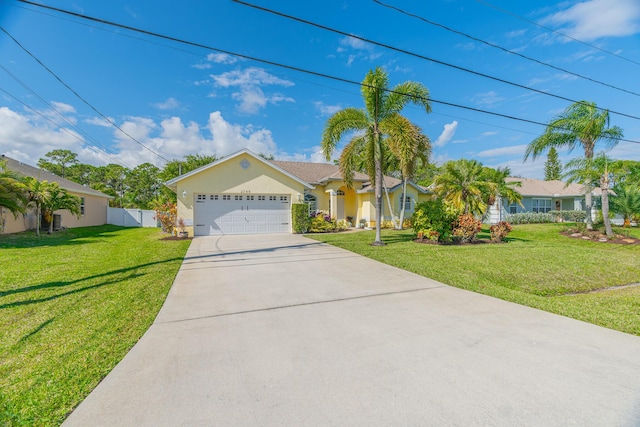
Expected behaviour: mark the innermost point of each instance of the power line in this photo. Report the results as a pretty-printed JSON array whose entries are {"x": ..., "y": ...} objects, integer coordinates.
[
  {"x": 103, "y": 149},
  {"x": 417, "y": 55},
  {"x": 285, "y": 66},
  {"x": 556, "y": 32},
  {"x": 404, "y": 12},
  {"x": 80, "y": 97}
]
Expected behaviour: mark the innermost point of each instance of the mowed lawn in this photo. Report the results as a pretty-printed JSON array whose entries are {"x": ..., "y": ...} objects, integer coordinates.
[
  {"x": 537, "y": 267},
  {"x": 71, "y": 305}
]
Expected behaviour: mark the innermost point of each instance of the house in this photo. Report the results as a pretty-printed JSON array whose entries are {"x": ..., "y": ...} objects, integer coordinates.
[
  {"x": 93, "y": 203},
  {"x": 542, "y": 197},
  {"x": 244, "y": 194}
]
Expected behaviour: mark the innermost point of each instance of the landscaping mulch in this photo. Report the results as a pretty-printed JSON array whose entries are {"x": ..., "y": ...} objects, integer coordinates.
[{"x": 596, "y": 236}]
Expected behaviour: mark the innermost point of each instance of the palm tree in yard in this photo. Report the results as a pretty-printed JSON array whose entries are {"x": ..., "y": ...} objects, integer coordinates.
[
  {"x": 371, "y": 125},
  {"x": 591, "y": 173},
  {"x": 13, "y": 192},
  {"x": 60, "y": 199},
  {"x": 409, "y": 146},
  {"x": 38, "y": 195},
  {"x": 497, "y": 186},
  {"x": 626, "y": 201},
  {"x": 581, "y": 124},
  {"x": 462, "y": 183}
]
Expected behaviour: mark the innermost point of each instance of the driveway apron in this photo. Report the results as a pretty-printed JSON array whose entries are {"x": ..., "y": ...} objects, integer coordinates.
[{"x": 283, "y": 330}]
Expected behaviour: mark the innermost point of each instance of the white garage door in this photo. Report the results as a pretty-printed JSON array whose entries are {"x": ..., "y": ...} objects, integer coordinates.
[{"x": 241, "y": 214}]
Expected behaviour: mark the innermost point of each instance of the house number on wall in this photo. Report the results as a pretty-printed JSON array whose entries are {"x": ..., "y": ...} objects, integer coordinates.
[{"x": 245, "y": 191}]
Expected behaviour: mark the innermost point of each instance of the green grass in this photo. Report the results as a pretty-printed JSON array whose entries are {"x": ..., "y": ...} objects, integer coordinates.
[
  {"x": 71, "y": 305},
  {"x": 537, "y": 267}
]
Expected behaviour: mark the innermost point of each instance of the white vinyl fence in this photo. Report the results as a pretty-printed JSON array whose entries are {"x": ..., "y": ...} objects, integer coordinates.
[{"x": 131, "y": 217}]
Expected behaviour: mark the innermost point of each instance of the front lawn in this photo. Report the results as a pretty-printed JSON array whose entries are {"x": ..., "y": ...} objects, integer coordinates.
[
  {"x": 71, "y": 306},
  {"x": 537, "y": 267}
]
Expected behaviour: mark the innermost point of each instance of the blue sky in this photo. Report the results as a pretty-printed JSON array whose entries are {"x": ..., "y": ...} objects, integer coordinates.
[{"x": 177, "y": 99}]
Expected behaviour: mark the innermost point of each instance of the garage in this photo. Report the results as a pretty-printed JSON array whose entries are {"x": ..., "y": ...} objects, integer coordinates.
[{"x": 216, "y": 214}]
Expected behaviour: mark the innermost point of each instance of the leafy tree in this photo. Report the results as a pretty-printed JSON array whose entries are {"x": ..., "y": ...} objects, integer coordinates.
[
  {"x": 463, "y": 185},
  {"x": 625, "y": 201},
  {"x": 143, "y": 185},
  {"x": 553, "y": 166},
  {"x": 58, "y": 161},
  {"x": 581, "y": 124},
  {"x": 112, "y": 180},
  {"x": 13, "y": 191},
  {"x": 38, "y": 196},
  {"x": 409, "y": 146},
  {"x": 59, "y": 199},
  {"x": 593, "y": 172},
  {"x": 175, "y": 168},
  {"x": 369, "y": 126},
  {"x": 82, "y": 173}
]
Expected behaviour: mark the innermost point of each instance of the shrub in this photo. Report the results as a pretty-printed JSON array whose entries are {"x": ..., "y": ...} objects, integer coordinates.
[
  {"x": 300, "y": 217},
  {"x": 387, "y": 224},
  {"x": 342, "y": 225},
  {"x": 572, "y": 216},
  {"x": 319, "y": 224},
  {"x": 167, "y": 214},
  {"x": 530, "y": 218},
  {"x": 499, "y": 231},
  {"x": 467, "y": 228},
  {"x": 433, "y": 220}
]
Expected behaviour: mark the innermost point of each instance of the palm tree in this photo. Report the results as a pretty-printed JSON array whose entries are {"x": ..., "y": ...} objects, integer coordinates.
[
  {"x": 498, "y": 187},
  {"x": 371, "y": 124},
  {"x": 582, "y": 123},
  {"x": 38, "y": 195},
  {"x": 60, "y": 199},
  {"x": 625, "y": 201},
  {"x": 409, "y": 146},
  {"x": 462, "y": 184},
  {"x": 593, "y": 172},
  {"x": 13, "y": 192}
]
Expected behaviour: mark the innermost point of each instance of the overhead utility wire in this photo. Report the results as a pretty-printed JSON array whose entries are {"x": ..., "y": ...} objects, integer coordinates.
[
  {"x": 404, "y": 12},
  {"x": 417, "y": 55},
  {"x": 102, "y": 149},
  {"x": 556, "y": 32},
  {"x": 81, "y": 98},
  {"x": 285, "y": 66}
]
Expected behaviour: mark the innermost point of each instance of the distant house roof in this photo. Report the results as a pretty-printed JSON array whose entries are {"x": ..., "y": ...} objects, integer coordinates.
[
  {"x": 43, "y": 175},
  {"x": 535, "y": 187}
]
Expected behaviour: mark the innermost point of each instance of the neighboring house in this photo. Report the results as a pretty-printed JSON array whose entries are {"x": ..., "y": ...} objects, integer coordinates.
[
  {"x": 93, "y": 203},
  {"x": 542, "y": 196},
  {"x": 244, "y": 194}
]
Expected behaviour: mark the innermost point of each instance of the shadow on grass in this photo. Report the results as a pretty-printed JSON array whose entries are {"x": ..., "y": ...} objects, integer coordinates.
[
  {"x": 70, "y": 236},
  {"x": 71, "y": 282},
  {"x": 36, "y": 330},
  {"x": 75, "y": 291}
]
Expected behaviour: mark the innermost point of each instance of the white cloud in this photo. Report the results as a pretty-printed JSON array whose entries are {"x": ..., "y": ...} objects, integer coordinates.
[
  {"x": 99, "y": 121},
  {"x": 490, "y": 133},
  {"x": 514, "y": 150},
  {"x": 447, "y": 134},
  {"x": 216, "y": 58},
  {"x": 251, "y": 97},
  {"x": 363, "y": 50},
  {"x": 516, "y": 33},
  {"x": 169, "y": 104},
  {"x": 327, "y": 110},
  {"x": 594, "y": 19},
  {"x": 487, "y": 99}
]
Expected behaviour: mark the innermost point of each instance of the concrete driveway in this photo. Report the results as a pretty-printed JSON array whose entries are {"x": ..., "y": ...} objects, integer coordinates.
[{"x": 282, "y": 330}]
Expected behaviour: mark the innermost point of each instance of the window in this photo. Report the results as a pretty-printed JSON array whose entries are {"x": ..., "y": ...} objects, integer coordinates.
[
  {"x": 284, "y": 198},
  {"x": 261, "y": 197},
  {"x": 226, "y": 197},
  {"x": 407, "y": 203},
  {"x": 201, "y": 197},
  {"x": 513, "y": 208},
  {"x": 213, "y": 197},
  {"x": 312, "y": 201},
  {"x": 541, "y": 205},
  {"x": 238, "y": 197},
  {"x": 272, "y": 198},
  {"x": 81, "y": 205},
  {"x": 339, "y": 193},
  {"x": 249, "y": 197}
]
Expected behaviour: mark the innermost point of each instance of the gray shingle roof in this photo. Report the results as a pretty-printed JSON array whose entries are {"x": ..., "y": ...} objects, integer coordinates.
[
  {"x": 315, "y": 173},
  {"x": 43, "y": 175},
  {"x": 536, "y": 187}
]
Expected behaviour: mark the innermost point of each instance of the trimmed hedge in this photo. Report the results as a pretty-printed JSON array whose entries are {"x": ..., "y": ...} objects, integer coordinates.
[
  {"x": 551, "y": 216},
  {"x": 300, "y": 217}
]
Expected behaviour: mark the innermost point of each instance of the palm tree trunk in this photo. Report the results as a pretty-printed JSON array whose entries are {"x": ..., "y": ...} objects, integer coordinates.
[
  {"x": 38, "y": 220},
  {"x": 402, "y": 202},
  {"x": 386, "y": 193},
  {"x": 588, "y": 201},
  {"x": 604, "y": 186},
  {"x": 378, "y": 190},
  {"x": 51, "y": 224}
]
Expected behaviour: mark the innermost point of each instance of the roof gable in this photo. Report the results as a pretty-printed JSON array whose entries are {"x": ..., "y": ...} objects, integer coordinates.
[
  {"x": 173, "y": 183},
  {"x": 43, "y": 175}
]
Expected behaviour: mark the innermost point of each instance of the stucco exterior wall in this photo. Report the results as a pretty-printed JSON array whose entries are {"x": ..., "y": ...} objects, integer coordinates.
[
  {"x": 95, "y": 213},
  {"x": 230, "y": 177}
]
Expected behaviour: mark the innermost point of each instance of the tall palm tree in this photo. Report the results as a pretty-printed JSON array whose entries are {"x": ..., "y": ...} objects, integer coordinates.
[
  {"x": 13, "y": 192},
  {"x": 581, "y": 124},
  {"x": 593, "y": 172},
  {"x": 371, "y": 124},
  {"x": 461, "y": 183},
  {"x": 498, "y": 187},
  {"x": 409, "y": 146}
]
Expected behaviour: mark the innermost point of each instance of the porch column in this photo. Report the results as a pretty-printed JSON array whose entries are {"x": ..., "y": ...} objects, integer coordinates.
[{"x": 333, "y": 203}]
